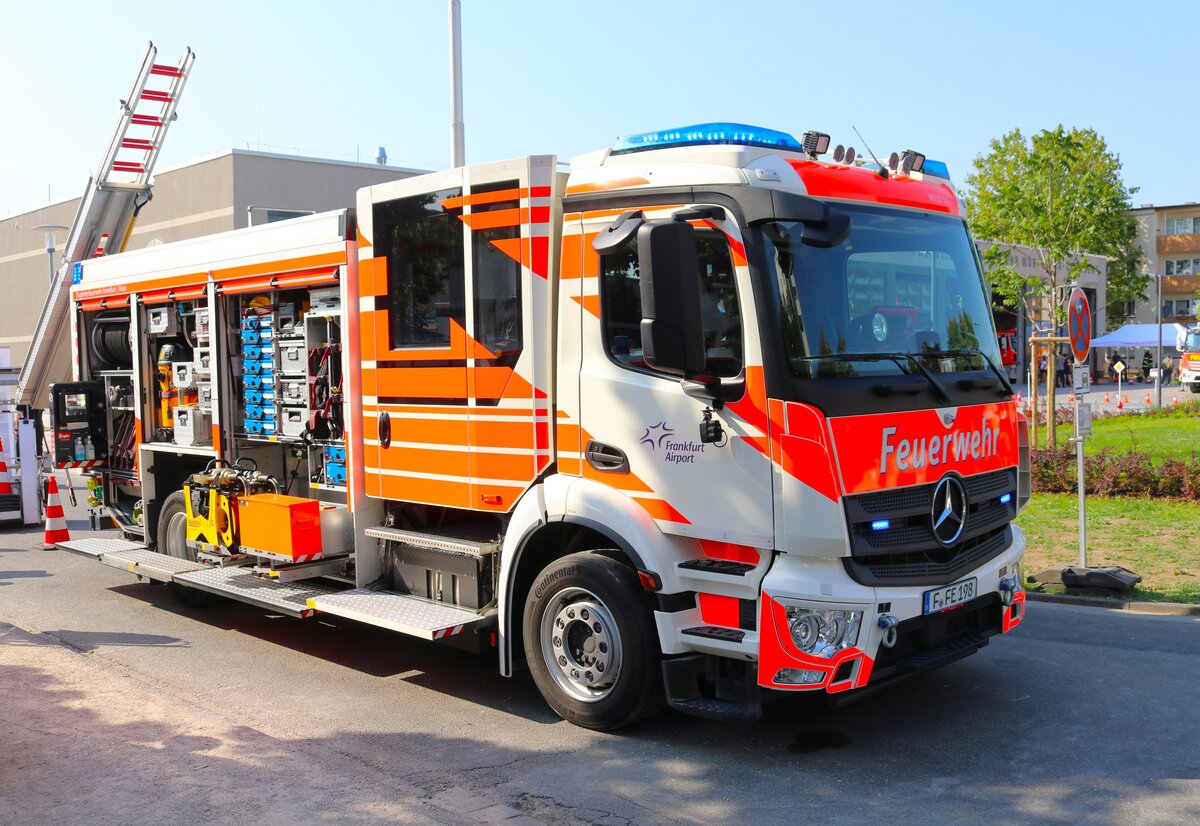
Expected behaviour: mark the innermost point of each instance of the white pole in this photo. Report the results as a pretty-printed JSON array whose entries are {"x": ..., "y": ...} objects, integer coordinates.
[
  {"x": 1079, "y": 471},
  {"x": 456, "y": 117}
]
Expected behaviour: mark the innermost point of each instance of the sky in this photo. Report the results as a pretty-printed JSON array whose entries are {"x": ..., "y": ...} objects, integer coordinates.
[{"x": 339, "y": 80}]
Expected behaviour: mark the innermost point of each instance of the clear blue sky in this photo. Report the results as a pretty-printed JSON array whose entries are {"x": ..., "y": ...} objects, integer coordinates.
[{"x": 333, "y": 79}]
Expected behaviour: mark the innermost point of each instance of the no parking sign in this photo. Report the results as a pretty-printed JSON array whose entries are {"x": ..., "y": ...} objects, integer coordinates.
[{"x": 1079, "y": 324}]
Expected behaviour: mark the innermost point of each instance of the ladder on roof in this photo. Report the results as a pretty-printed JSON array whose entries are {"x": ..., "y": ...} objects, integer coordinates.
[{"x": 108, "y": 208}]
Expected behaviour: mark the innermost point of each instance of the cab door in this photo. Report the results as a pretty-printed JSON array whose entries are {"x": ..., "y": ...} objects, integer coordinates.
[{"x": 642, "y": 419}]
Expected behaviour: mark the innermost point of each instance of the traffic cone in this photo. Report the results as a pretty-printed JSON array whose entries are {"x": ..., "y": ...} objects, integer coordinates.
[
  {"x": 1175, "y": 401},
  {"x": 1106, "y": 401},
  {"x": 5, "y": 480},
  {"x": 1121, "y": 404},
  {"x": 1147, "y": 397},
  {"x": 56, "y": 520},
  {"x": 1071, "y": 397}
]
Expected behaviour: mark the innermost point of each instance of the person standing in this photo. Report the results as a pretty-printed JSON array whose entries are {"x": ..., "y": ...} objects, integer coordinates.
[{"x": 1147, "y": 366}]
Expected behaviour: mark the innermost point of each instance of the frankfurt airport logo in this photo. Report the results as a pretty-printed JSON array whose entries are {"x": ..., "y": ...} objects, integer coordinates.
[
  {"x": 660, "y": 438},
  {"x": 656, "y": 435}
]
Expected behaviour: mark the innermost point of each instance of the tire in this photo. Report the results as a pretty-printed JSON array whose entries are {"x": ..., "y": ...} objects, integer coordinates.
[
  {"x": 1194, "y": 387},
  {"x": 591, "y": 644},
  {"x": 172, "y": 541}
]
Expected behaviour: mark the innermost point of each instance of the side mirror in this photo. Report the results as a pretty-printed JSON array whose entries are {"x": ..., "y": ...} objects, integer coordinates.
[
  {"x": 828, "y": 233},
  {"x": 672, "y": 327}
]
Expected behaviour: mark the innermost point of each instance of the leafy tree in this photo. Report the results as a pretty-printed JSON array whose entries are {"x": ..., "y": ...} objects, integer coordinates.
[{"x": 1059, "y": 193}]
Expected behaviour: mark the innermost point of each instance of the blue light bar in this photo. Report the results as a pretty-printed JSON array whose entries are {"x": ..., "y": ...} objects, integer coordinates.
[
  {"x": 880, "y": 525},
  {"x": 77, "y": 273},
  {"x": 701, "y": 134},
  {"x": 1005, "y": 499},
  {"x": 935, "y": 168}
]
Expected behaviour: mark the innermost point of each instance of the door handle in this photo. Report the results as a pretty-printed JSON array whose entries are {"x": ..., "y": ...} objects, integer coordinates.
[
  {"x": 385, "y": 429},
  {"x": 606, "y": 457}
]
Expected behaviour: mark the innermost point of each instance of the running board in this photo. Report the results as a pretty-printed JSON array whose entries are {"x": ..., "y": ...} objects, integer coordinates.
[
  {"x": 95, "y": 547},
  {"x": 437, "y": 542},
  {"x": 149, "y": 564},
  {"x": 246, "y": 586},
  {"x": 400, "y": 612}
]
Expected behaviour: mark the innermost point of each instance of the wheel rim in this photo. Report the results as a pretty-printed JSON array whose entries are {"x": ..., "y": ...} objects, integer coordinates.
[
  {"x": 581, "y": 644},
  {"x": 176, "y": 538}
]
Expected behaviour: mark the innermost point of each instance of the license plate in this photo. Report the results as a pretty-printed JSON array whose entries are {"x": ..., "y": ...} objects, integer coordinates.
[{"x": 939, "y": 599}]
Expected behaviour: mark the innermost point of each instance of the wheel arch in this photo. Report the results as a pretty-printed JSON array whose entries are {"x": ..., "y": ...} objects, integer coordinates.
[{"x": 590, "y": 516}]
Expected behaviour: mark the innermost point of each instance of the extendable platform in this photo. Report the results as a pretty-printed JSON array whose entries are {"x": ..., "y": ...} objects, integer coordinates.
[
  {"x": 95, "y": 547},
  {"x": 241, "y": 584},
  {"x": 400, "y": 612}
]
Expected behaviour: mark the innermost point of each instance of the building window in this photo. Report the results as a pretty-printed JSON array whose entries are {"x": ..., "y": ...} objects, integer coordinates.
[
  {"x": 1178, "y": 307},
  {"x": 1183, "y": 226},
  {"x": 1181, "y": 266},
  {"x": 621, "y": 306},
  {"x": 423, "y": 244}
]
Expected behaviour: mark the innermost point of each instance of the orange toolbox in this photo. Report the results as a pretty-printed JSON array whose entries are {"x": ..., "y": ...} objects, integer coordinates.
[{"x": 286, "y": 526}]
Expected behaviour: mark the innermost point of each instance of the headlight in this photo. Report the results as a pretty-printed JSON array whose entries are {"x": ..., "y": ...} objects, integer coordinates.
[{"x": 823, "y": 632}]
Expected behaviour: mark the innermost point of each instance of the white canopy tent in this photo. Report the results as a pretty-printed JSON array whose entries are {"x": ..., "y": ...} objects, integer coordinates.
[{"x": 1143, "y": 335}]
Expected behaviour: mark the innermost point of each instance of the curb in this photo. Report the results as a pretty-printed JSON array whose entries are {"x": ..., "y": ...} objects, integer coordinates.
[{"x": 1174, "y": 609}]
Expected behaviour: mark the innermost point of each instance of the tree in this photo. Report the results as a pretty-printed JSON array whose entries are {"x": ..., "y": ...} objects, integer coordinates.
[{"x": 1059, "y": 193}]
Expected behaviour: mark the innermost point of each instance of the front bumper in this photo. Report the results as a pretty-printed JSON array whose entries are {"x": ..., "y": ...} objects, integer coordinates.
[{"x": 922, "y": 640}]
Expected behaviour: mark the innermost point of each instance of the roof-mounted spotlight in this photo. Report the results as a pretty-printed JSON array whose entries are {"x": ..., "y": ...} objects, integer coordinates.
[
  {"x": 893, "y": 162},
  {"x": 839, "y": 152},
  {"x": 850, "y": 156},
  {"x": 912, "y": 161},
  {"x": 815, "y": 143}
]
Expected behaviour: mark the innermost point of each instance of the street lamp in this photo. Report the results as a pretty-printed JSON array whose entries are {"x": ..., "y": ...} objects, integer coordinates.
[
  {"x": 1158, "y": 278},
  {"x": 50, "y": 230}
]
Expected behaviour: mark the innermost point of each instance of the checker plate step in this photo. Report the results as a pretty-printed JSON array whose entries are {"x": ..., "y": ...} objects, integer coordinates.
[
  {"x": 718, "y": 566},
  {"x": 94, "y": 546},
  {"x": 148, "y": 563},
  {"x": 243, "y": 585},
  {"x": 714, "y": 632},
  {"x": 401, "y": 612}
]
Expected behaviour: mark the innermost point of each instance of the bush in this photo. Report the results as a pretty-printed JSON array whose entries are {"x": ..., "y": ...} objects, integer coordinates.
[{"x": 1106, "y": 473}]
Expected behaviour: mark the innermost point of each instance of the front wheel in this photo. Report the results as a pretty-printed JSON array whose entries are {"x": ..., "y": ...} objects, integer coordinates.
[{"x": 590, "y": 642}]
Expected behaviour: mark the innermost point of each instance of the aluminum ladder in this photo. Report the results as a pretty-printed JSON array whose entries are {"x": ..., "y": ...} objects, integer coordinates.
[{"x": 108, "y": 208}]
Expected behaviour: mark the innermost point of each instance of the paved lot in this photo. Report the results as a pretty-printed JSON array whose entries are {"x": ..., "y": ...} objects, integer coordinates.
[{"x": 120, "y": 705}]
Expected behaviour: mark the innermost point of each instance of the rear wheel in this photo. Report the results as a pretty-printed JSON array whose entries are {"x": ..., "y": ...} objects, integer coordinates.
[
  {"x": 172, "y": 541},
  {"x": 590, "y": 642}
]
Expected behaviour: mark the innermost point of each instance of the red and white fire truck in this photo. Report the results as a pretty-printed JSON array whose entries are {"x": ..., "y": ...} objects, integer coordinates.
[
  {"x": 710, "y": 418},
  {"x": 1189, "y": 359}
]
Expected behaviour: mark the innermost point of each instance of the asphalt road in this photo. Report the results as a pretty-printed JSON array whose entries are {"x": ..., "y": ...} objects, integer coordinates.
[{"x": 120, "y": 705}]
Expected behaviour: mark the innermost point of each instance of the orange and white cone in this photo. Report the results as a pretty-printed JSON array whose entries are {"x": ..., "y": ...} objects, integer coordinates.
[
  {"x": 56, "y": 520},
  {"x": 1147, "y": 397},
  {"x": 1175, "y": 401},
  {"x": 5, "y": 479},
  {"x": 1106, "y": 401},
  {"x": 1071, "y": 397}
]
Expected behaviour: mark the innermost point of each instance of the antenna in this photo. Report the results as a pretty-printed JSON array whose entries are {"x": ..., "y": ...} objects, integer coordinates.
[{"x": 878, "y": 166}]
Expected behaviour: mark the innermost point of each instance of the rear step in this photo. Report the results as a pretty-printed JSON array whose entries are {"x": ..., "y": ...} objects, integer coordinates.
[
  {"x": 148, "y": 563},
  {"x": 718, "y": 566},
  {"x": 244, "y": 585},
  {"x": 714, "y": 632},
  {"x": 400, "y": 612},
  {"x": 436, "y": 542},
  {"x": 95, "y": 547}
]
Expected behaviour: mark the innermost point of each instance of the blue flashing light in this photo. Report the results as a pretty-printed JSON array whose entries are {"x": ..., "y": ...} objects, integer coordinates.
[
  {"x": 935, "y": 168},
  {"x": 77, "y": 273},
  {"x": 701, "y": 134},
  {"x": 1005, "y": 499},
  {"x": 881, "y": 525}
]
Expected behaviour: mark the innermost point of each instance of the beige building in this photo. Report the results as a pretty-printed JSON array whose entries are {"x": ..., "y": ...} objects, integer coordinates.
[
  {"x": 234, "y": 189},
  {"x": 1170, "y": 240}
]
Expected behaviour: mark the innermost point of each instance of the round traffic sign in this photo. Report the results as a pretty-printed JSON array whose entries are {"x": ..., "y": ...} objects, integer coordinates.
[{"x": 1079, "y": 323}]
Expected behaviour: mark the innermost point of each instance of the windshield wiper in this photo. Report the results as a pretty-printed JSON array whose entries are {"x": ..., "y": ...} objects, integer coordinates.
[
  {"x": 899, "y": 357},
  {"x": 974, "y": 351}
]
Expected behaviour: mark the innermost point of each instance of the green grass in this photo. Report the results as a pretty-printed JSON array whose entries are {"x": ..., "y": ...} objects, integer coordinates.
[
  {"x": 1162, "y": 437},
  {"x": 1156, "y": 538}
]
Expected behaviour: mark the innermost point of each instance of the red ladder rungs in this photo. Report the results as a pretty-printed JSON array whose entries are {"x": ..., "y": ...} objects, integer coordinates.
[
  {"x": 152, "y": 94},
  {"x": 146, "y": 120},
  {"x": 128, "y": 166},
  {"x": 162, "y": 69},
  {"x": 136, "y": 143}
]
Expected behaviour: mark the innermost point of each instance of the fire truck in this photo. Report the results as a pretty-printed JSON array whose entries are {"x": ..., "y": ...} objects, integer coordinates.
[
  {"x": 1008, "y": 352},
  {"x": 1189, "y": 360},
  {"x": 712, "y": 417}
]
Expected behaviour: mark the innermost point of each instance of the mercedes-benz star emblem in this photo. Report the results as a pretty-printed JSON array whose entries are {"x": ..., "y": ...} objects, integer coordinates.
[{"x": 949, "y": 512}]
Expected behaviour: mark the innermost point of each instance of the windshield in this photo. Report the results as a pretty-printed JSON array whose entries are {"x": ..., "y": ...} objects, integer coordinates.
[
  {"x": 903, "y": 283},
  {"x": 1192, "y": 343}
]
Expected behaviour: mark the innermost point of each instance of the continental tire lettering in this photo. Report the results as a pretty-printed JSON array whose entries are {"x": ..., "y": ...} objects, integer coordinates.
[{"x": 550, "y": 578}]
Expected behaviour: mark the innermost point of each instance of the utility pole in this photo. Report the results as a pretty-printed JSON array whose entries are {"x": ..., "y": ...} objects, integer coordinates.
[{"x": 456, "y": 117}]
